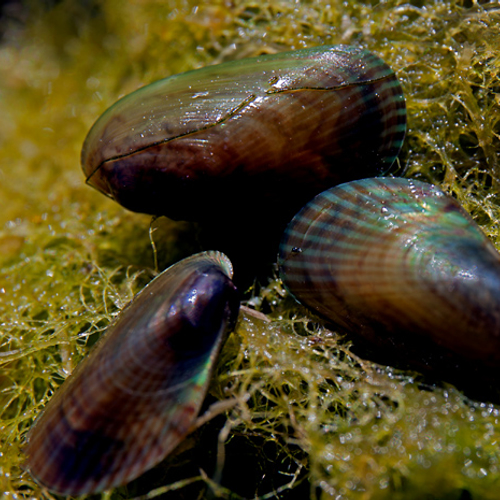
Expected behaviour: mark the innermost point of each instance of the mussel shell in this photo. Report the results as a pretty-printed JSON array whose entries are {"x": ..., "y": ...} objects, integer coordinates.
[
  {"x": 259, "y": 135},
  {"x": 400, "y": 263},
  {"x": 136, "y": 396}
]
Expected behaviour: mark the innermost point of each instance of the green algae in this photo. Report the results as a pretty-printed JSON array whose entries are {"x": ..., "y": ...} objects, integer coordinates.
[{"x": 298, "y": 413}]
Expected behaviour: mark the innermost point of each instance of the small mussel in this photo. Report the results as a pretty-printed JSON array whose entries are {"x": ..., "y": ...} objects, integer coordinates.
[
  {"x": 138, "y": 393},
  {"x": 401, "y": 264},
  {"x": 260, "y": 135}
]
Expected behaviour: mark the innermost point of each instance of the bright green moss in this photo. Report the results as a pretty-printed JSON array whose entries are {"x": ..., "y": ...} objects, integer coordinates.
[{"x": 302, "y": 413}]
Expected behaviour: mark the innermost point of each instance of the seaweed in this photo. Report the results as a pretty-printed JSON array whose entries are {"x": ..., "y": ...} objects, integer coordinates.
[{"x": 292, "y": 411}]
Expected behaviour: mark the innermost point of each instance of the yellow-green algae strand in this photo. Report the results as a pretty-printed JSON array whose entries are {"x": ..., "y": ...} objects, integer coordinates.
[{"x": 299, "y": 413}]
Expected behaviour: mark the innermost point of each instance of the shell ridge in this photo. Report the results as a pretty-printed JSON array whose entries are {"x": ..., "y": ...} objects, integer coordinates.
[
  {"x": 333, "y": 87},
  {"x": 232, "y": 112}
]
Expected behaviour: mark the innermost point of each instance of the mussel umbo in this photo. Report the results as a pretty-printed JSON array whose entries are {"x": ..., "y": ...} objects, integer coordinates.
[
  {"x": 260, "y": 135},
  {"x": 400, "y": 263},
  {"x": 138, "y": 393}
]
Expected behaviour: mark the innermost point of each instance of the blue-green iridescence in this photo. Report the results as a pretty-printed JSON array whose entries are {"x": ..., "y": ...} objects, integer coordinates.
[
  {"x": 138, "y": 393},
  {"x": 262, "y": 135},
  {"x": 400, "y": 263}
]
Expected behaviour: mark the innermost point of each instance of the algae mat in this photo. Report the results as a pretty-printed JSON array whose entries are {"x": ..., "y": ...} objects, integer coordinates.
[{"x": 295, "y": 413}]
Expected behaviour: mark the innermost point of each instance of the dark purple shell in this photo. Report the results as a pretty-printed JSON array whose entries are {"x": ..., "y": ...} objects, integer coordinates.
[
  {"x": 250, "y": 137},
  {"x": 139, "y": 392}
]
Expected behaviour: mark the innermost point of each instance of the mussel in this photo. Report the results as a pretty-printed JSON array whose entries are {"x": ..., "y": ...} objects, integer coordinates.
[
  {"x": 400, "y": 263},
  {"x": 260, "y": 135},
  {"x": 138, "y": 393}
]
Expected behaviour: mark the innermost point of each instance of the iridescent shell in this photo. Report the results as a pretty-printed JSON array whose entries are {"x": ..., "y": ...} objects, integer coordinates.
[
  {"x": 402, "y": 264},
  {"x": 260, "y": 135},
  {"x": 138, "y": 393}
]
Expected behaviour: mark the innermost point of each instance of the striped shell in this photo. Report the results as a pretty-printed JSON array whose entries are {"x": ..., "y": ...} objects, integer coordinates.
[
  {"x": 138, "y": 393},
  {"x": 257, "y": 135},
  {"x": 400, "y": 263}
]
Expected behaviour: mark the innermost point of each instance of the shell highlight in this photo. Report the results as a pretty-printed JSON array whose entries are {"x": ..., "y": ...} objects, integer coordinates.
[
  {"x": 400, "y": 263},
  {"x": 138, "y": 393},
  {"x": 277, "y": 128}
]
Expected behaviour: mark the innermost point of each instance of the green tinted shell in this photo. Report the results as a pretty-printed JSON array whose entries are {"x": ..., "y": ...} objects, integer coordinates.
[
  {"x": 400, "y": 263},
  {"x": 249, "y": 136}
]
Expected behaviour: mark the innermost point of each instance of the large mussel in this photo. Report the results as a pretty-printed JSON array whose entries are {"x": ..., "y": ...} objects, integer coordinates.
[
  {"x": 402, "y": 264},
  {"x": 138, "y": 393},
  {"x": 249, "y": 137}
]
